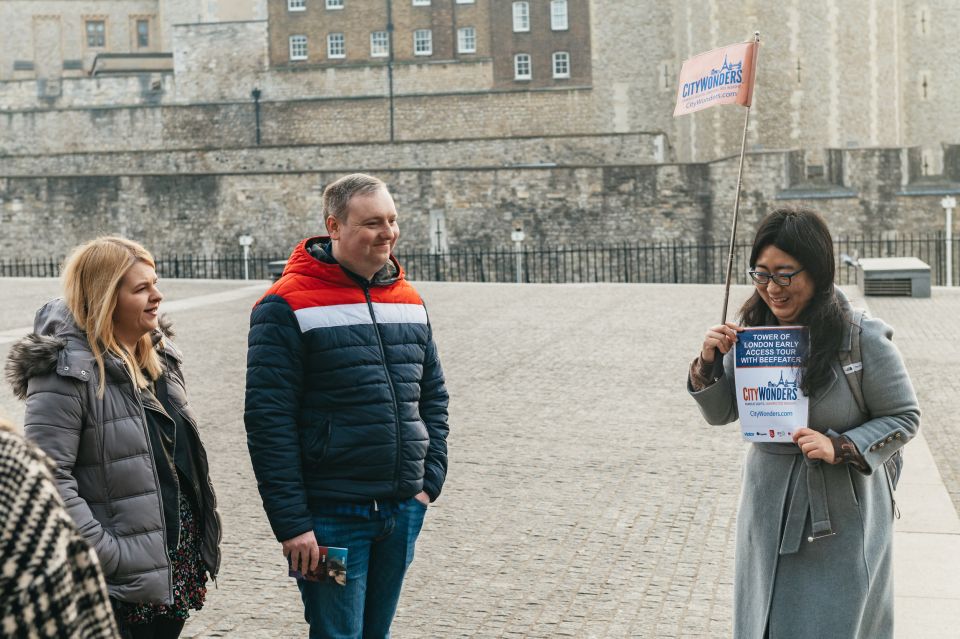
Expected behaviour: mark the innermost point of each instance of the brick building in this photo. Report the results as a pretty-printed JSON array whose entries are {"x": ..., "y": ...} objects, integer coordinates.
[{"x": 530, "y": 43}]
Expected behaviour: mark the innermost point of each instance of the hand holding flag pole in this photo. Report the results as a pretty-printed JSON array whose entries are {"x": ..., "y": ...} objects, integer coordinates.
[{"x": 705, "y": 81}]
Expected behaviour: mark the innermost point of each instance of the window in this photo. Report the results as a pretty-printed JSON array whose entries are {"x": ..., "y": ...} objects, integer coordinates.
[
  {"x": 521, "y": 16},
  {"x": 143, "y": 33},
  {"x": 379, "y": 44},
  {"x": 96, "y": 33},
  {"x": 335, "y": 46},
  {"x": 465, "y": 1},
  {"x": 558, "y": 15},
  {"x": 561, "y": 64},
  {"x": 421, "y": 3},
  {"x": 296, "y": 5},
  {"x": 423, "y": 42},
  {"x": 521, "y": 67},
  {"x": 467, "y": 40},
  {"x": 334, "y": 4},
  {"x": 298, "y": 47}
]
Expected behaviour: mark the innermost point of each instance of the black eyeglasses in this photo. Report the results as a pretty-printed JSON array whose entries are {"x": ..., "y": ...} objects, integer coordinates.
[{"x": 762, "y": 278}]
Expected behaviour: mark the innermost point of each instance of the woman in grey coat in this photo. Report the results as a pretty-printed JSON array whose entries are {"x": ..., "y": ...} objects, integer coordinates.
[
  {"x": 106, "y": 401},
  {"x": 815, "y": 522}
]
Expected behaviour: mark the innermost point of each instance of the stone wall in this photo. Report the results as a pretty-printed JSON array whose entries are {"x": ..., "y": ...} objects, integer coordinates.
[
  {"x": 317, "y": 121},
  {"x": 626, "y": 148},
  {"x": 82, "y": 93},
  {"x": 185, "y": 207}
]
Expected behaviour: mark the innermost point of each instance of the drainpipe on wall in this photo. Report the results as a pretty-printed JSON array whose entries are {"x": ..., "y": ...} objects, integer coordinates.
[
  {"x": 390, "y": 62},
  {"x": 255, "y": 94}
]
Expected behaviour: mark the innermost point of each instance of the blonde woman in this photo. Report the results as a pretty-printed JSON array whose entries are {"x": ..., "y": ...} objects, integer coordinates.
[{"x": 106, "y": 401}]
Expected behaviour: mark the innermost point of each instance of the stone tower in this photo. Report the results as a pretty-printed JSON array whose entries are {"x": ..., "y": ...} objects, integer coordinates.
[{"x": 832, "y": 74}]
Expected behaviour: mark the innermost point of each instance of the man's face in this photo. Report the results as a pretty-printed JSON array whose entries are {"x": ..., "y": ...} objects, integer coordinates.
[{"x": 364, "y": 240}]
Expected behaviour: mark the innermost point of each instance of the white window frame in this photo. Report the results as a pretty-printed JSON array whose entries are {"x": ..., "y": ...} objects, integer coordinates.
[
  {"x": 566, "y": 62},
  {"x": 331, "y": 38},
  {"x": 334, "y": 5},
  {"x": 418, "y": 40},
  {"x": 559, "y": 21},
  {"x": 384, "y": 42},
  {"x": 521, "y": 17},
  {"x": 517, "y": 61},
  {"x": 297, "y": 42},
  {"x": 465, "y": 1},
  {"x": 421, "y": 3},
  {"x": 136, "y": 25},
  {"x": 467, "y": 40},
  {"x": 100, "y": 34},
  {"x": 296, "y": 5}
]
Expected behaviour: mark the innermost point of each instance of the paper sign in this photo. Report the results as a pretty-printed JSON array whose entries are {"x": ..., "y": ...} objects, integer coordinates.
[{"x": 772, "y": 406}]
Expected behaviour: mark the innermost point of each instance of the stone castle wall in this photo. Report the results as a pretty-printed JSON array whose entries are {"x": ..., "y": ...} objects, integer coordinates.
[
  {"x": 625, "y": 148},
  {"x": 315, "y": 121},
  {"x": 185, "y": 207}
]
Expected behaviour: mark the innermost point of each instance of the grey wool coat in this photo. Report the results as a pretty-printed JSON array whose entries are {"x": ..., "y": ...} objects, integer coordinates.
[
  {"x": 100, "y": 446},
  {"x": 832, "y": 586}
]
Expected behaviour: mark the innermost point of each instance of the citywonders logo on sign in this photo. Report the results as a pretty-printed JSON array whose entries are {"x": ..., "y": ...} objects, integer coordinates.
[{"x": 722, "y": 76}]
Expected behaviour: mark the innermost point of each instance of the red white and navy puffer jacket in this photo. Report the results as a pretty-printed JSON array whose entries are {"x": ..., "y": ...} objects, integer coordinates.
[{"x": 345, "y": 397}]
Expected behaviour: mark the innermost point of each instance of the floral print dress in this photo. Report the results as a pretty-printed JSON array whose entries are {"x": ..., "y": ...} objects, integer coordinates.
[{"x": 189, "y": 576}]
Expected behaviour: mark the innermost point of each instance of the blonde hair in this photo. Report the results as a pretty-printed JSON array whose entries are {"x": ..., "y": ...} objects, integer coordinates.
[
  {"x": 91, "y": 281},
  {"x": 7, "y": 426}
]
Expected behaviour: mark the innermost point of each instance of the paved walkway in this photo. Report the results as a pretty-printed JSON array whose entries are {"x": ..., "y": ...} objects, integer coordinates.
[
  {"x": 927, "y": 541},
  {"x": 586, "y": 496}
]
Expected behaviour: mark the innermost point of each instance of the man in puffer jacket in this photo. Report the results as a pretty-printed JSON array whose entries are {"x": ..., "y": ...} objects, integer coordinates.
[{"x": 346, "y": 411}]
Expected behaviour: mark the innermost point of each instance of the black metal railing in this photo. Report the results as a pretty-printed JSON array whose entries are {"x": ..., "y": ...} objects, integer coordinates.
[{"x": 663, "y": 262}]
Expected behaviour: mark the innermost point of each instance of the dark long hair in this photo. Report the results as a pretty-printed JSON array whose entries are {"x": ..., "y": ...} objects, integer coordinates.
[{"x": 803, "y": 235}]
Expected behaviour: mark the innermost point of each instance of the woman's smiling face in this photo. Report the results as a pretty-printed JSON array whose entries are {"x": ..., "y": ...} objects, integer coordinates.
[
  {"x": 138, "y": 304},
  {"x": 786, "y": 302}
]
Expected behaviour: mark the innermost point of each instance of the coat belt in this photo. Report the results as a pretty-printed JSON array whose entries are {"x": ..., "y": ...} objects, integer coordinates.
[{"x": 809, "y": 496}]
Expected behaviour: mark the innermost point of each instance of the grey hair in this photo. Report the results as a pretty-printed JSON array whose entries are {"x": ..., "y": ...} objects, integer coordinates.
[{"x": 337, "y": 196}]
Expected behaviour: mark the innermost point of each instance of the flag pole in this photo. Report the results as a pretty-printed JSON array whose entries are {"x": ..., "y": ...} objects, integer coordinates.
[{"x": 736, "y": 203}]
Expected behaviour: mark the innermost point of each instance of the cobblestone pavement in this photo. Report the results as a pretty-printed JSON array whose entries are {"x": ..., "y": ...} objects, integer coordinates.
[
  {"x": 570, "y": 510},
  {"x": 927, "y": 330},
  {"x": 586, "y": 497}
]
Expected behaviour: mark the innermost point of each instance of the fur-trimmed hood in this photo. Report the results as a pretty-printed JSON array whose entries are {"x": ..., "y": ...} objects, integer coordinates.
[{"x": 58, "y": 344}]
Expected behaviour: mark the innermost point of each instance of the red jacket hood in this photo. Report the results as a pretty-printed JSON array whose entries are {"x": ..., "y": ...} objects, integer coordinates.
[{"x": 301, "y": 262}]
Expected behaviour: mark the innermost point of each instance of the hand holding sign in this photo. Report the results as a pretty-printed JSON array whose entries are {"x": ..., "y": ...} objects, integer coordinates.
[
  {"x": 815, "y": 445},
  {"x": 719, "y": 338}
]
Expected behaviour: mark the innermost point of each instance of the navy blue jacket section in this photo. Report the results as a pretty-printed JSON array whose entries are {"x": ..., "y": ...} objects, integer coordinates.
[{"x": 351, "y": 410}]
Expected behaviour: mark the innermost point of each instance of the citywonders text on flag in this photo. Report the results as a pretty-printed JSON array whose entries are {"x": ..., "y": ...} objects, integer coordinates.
[{"x": 722, "y": 76}]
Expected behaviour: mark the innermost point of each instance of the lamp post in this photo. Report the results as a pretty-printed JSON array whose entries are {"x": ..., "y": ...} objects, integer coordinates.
[
  {"x": 245, "y": 242},
  {"x": 949, "y": 203},
  {"x": 517, "y": 236}
]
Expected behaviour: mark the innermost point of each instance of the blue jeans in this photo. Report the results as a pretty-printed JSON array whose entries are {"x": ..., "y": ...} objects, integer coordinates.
[{"x": 378, "y": 554}]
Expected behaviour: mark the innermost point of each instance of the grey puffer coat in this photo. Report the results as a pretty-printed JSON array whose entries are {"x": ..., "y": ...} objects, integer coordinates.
[{"x": 104, "y": 462}]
